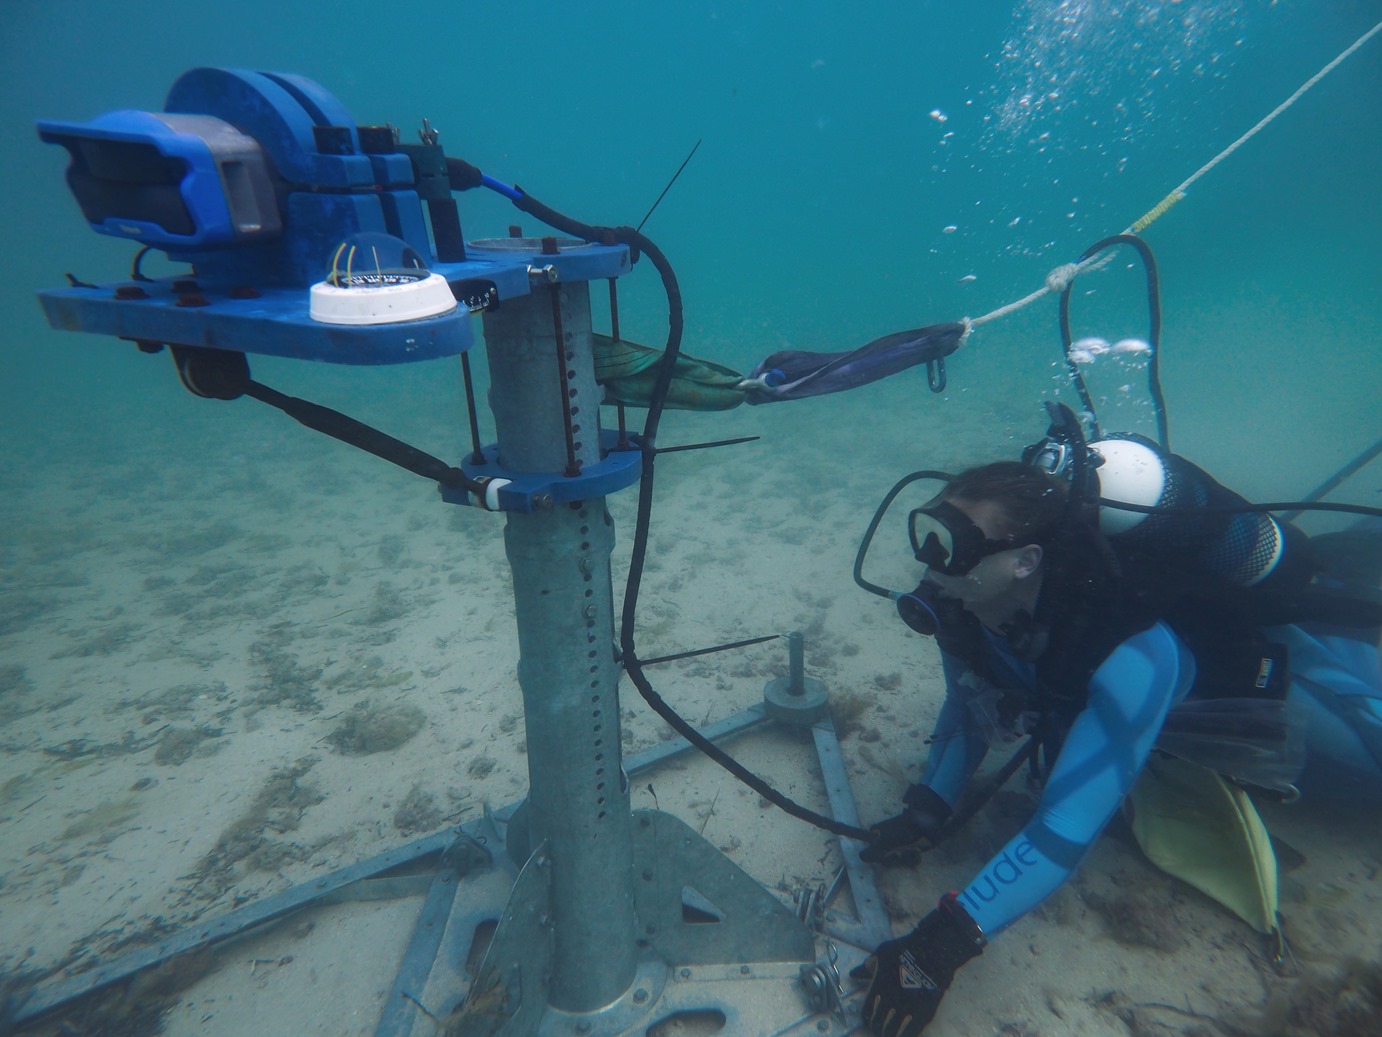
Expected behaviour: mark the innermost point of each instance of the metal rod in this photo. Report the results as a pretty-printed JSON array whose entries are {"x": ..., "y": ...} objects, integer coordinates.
[
  {"x": 623, "y": 443},
  {"x": 707, "y": 651},
  {"x": 564, "y": 357},
  {"x": 477, "y": 454},
  {"x": 796, "y": 658}
]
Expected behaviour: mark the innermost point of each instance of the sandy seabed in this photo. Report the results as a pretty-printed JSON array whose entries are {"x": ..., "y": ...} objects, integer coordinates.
[{"x": 228, "y": 671}]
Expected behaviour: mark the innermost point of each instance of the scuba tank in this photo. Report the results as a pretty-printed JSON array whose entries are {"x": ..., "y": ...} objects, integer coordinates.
[
  {"x": 1242, "y": 549},
  {"x": 1175, "y": 528}
]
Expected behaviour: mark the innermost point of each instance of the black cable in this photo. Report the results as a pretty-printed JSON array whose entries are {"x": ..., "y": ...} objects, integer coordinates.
[
  {"x": 706, "y": 446},
  {"x": 477, "y": 453},
  {"x": 364, "y": 437},
  {"x": 1328, "y": 486},
  {"x": 710, "y": 651},
  {"x": 634, "y": 239},
  {"x": 1238, "y": 509},
  {"x": 136, "y": 273},
  {"x": 979, "y": 800}
]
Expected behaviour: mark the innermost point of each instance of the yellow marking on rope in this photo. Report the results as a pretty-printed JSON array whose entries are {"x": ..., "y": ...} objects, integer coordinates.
[
  {"x": 1154, "y": 213},
  {"x": 1179, "y": 192}
]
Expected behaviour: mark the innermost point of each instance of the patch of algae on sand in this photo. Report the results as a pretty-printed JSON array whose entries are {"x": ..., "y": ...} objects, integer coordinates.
[
  {"x": 107, "y": 819},
  {"x": 248, "y": 843},
  {"x": 375, "y": 729},
  {"x": 132, "y": 1009},
  {"x": 418, "y": 812},
  {"x": 1344, "y": 1003},
  {"x": 180, "y": 744}
]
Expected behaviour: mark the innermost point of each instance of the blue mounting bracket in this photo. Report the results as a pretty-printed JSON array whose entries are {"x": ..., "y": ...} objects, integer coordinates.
[
  {"x": 532, "y": 491},
  {"x": 272, "y": 321},
  {"x": 257, "y": 179}
]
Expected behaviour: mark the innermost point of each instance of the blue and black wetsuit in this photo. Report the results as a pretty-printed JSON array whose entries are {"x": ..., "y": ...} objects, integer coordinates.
[{"x": 1336, "y": 687}]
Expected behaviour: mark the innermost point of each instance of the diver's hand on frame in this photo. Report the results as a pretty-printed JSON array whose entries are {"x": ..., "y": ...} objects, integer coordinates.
[
  {"x": 901, "y": 840},
  {"x": 909, "y": 976}
]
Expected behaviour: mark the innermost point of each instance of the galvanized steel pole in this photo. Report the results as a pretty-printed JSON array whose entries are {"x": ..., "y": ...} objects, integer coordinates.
[{"x": 546, "y": 407}]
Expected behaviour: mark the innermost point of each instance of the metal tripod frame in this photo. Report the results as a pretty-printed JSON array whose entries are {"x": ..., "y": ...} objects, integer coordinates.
[{"x": 617, "y": 921}]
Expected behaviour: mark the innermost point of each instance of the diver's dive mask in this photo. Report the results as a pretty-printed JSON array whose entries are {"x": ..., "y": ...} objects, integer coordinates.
[{"x": 946, "y": 540}]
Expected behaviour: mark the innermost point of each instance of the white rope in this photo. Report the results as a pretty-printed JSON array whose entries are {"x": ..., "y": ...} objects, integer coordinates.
[
  {"x": 1059, "y": 278},
  {"x": 1056, "y": 282},
  {"x": 1267, "y": 119}
]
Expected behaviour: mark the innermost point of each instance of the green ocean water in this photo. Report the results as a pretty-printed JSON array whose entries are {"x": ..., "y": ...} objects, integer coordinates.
[
  {"x": 862, "y": 169},
  {"x": 838, "y": 145}
]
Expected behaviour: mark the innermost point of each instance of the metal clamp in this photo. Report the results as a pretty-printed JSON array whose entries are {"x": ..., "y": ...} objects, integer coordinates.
[{"x": 821, "y": 984}]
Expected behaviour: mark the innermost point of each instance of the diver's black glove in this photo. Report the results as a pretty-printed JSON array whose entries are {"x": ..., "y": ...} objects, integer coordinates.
[
  {"x": 911, "y": 975},
  {"x": 900, "y": 840}
]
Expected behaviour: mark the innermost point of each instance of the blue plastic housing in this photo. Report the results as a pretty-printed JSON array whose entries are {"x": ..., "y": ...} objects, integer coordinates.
[
  {"x": 174, "y": 181},
  {"x": 255, "y": 179}
]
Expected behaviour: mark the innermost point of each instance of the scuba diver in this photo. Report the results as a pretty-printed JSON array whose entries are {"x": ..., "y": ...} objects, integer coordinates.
[{"x": 1206, "y": 629}]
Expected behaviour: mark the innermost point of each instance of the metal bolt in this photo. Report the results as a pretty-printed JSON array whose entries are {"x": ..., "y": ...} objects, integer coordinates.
[
  {"x": 546, "y": 273},
  {"x": 822, "y": 1025},
  {"x": 744, "y": 970},
  {"x": 685, "y": 973},
  {"x": 640, "y": 995},
  {"x": 583, "y": 1026}
]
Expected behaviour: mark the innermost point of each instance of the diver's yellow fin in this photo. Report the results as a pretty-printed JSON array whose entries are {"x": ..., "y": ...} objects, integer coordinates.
[{"x": 1192, "y": 824}]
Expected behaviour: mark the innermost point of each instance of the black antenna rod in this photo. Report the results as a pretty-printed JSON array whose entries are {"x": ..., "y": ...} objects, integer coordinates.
[{"x": 668, "y": 187}]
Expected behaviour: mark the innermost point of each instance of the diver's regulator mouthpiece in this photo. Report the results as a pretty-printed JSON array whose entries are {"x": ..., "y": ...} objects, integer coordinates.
[
  {"x": 925, "y": 610},
  {"x": 919, "y": 613}
]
